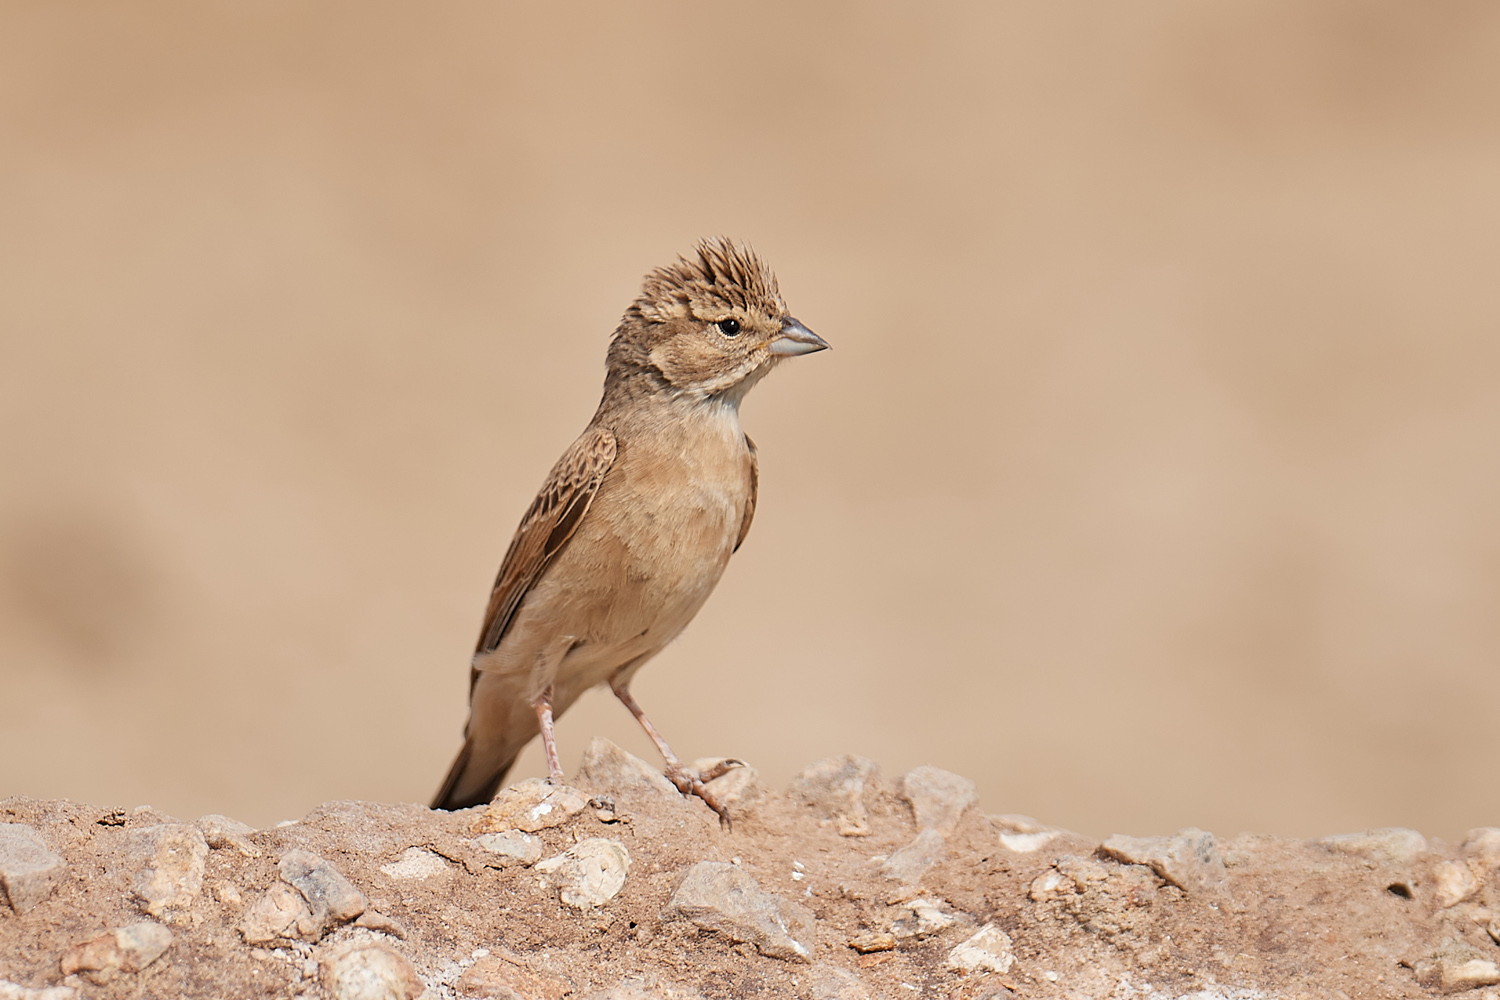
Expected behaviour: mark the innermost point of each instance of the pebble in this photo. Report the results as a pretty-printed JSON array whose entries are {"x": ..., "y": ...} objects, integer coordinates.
[
  {"x": 1455, "y": 882},
  {"x": 829, "y": 982},
  {"x": 532, "y": 805},
  {"x": 872, "y": 941},
  {"x": 1189, "y": 859},
  {"x": 330, "y": 898},
  {"x": 590, "y": 873},
  {"x": 606, "y": 767},
  {"x": 416, "y": 863},
  {"x": 911, "y": 863},
  {"x": 125, "y": 949},
  {"x": 504, "y": 975},
  {"x": 171, "y": 856},
  {"x": 367, "y": 971},
  {"x": 836, "y": 788},
  {"x": 719, "y": 896},
  {"x": 510, "y": 848},
  {"x": 1389, "y": 845},
  {"x": 920, "y": 917},
  {"x": 15, "y": 991},
  {"x": 222, "y": 832},
  {"x": 29, "y": 869},
  {"x": 938, "y": 798},
  {"x": 989, "y": 949}
]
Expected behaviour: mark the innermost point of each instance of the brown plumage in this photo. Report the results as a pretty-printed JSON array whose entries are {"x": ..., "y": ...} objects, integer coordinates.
[{"x": 637, "y": 520}]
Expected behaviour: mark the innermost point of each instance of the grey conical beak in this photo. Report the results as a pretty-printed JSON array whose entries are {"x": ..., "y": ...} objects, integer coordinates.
[{"x": 796, "y": 339}]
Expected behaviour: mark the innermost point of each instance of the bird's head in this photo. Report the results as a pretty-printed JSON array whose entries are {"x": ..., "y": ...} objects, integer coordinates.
[{"x": 709, "y": 326}]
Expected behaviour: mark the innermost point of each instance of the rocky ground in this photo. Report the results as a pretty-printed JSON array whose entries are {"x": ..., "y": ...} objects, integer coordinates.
[{"x": 845, "y": 886}]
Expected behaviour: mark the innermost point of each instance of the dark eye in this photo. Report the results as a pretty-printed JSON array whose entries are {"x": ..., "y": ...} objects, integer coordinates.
[{"x": 729, "y": 327}]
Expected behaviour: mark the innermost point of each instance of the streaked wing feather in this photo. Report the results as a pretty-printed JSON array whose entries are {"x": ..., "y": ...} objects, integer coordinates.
[
  {"x": 754, "y": 491},
  {"x": 548, "y": 525}
]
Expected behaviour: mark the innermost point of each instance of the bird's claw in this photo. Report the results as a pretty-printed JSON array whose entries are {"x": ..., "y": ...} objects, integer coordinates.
[{"x": 694, "y": 782}]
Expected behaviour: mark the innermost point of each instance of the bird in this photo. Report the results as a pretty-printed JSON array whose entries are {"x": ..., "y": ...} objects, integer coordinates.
[{"x": 636, "y": 522}]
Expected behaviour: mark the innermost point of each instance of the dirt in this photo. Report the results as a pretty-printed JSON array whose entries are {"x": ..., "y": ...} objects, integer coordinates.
[{"x": 1364, "y": 917}]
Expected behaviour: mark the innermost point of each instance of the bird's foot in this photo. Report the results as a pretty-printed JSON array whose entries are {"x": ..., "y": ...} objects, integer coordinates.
[{"x": 694, "y": 782}]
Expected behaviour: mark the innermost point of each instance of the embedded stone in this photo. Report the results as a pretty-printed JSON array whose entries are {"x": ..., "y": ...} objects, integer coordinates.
[
  {"x": 331, "y": 899},
  {"x": 509, "y": 848},
  {"x": 172, "y": 857},
  {"x": 1455, "y": 882},
  {"x": 280, "y": 912},
  {"x": 829, "y": 982},
  {"x": 1189, "y": 860},
  {"x": 1389, "y": 845},
  {"x": 504, "y": 975},
  {"x": 368, "y": 971},
  {"x": 221, "y": 832},
  {"x": 590, "y": 873},
  {"x": 125, "y": 949},
  {"x": 1457, "y": 966},
  {"x": 988, "y": 949},
  {"x": 416, "y": 863},
  {"x": 532, "y": 805},
  {"x": 719, "y": 896},
  {"x": 606, "y": 767},
  {"x": 920, "y": 917},
  {"x": 911, "y": 863},
  {"x": 29, "y": 869},
  {"x": 938, "y": 798},
  {"x": 872, "y": 941}
]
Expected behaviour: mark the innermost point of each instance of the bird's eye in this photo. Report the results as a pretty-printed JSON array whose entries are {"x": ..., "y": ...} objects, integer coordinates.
[{"x": 729, "y": 327}]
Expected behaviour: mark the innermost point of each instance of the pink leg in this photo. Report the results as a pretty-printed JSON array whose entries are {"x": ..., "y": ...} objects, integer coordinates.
[
  {"x": 688, "y": 781},
  {"x": 543, "y": 706}
]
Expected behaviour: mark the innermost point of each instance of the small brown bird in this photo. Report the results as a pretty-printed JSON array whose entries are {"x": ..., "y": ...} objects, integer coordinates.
[{"x": 637, "y": 520}]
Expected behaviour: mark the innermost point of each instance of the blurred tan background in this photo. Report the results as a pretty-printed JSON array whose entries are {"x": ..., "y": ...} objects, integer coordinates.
[{"x": 1154, "y": 479}]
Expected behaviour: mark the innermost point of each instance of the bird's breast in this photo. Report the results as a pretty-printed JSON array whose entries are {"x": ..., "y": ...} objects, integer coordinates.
[{"x": 660, "y": 532}]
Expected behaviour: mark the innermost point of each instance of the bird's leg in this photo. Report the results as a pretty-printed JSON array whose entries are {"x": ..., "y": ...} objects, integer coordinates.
[
  {"x": 687, "y": 780},
  {"x": 543, "y": 706}
]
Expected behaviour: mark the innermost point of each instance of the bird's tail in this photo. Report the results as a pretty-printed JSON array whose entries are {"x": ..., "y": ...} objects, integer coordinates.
[{"x": 472, "y": 780}]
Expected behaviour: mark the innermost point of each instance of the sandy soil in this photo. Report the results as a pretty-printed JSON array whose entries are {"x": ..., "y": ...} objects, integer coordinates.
[{"x": 907, "y": 869}]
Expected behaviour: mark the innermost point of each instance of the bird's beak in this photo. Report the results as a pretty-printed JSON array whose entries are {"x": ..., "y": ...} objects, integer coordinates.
[{"x": 796, "y": 339}]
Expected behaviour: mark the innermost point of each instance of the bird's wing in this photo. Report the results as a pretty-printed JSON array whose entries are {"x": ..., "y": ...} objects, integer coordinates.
[
  {"x": 548, "y": 525},
  {"x": 754, "y": 490}
]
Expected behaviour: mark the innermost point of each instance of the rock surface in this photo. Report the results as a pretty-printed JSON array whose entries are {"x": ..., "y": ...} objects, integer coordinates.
[
  {"x": 629, "y": 780},
  {"x": 650, "y": 898}
]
